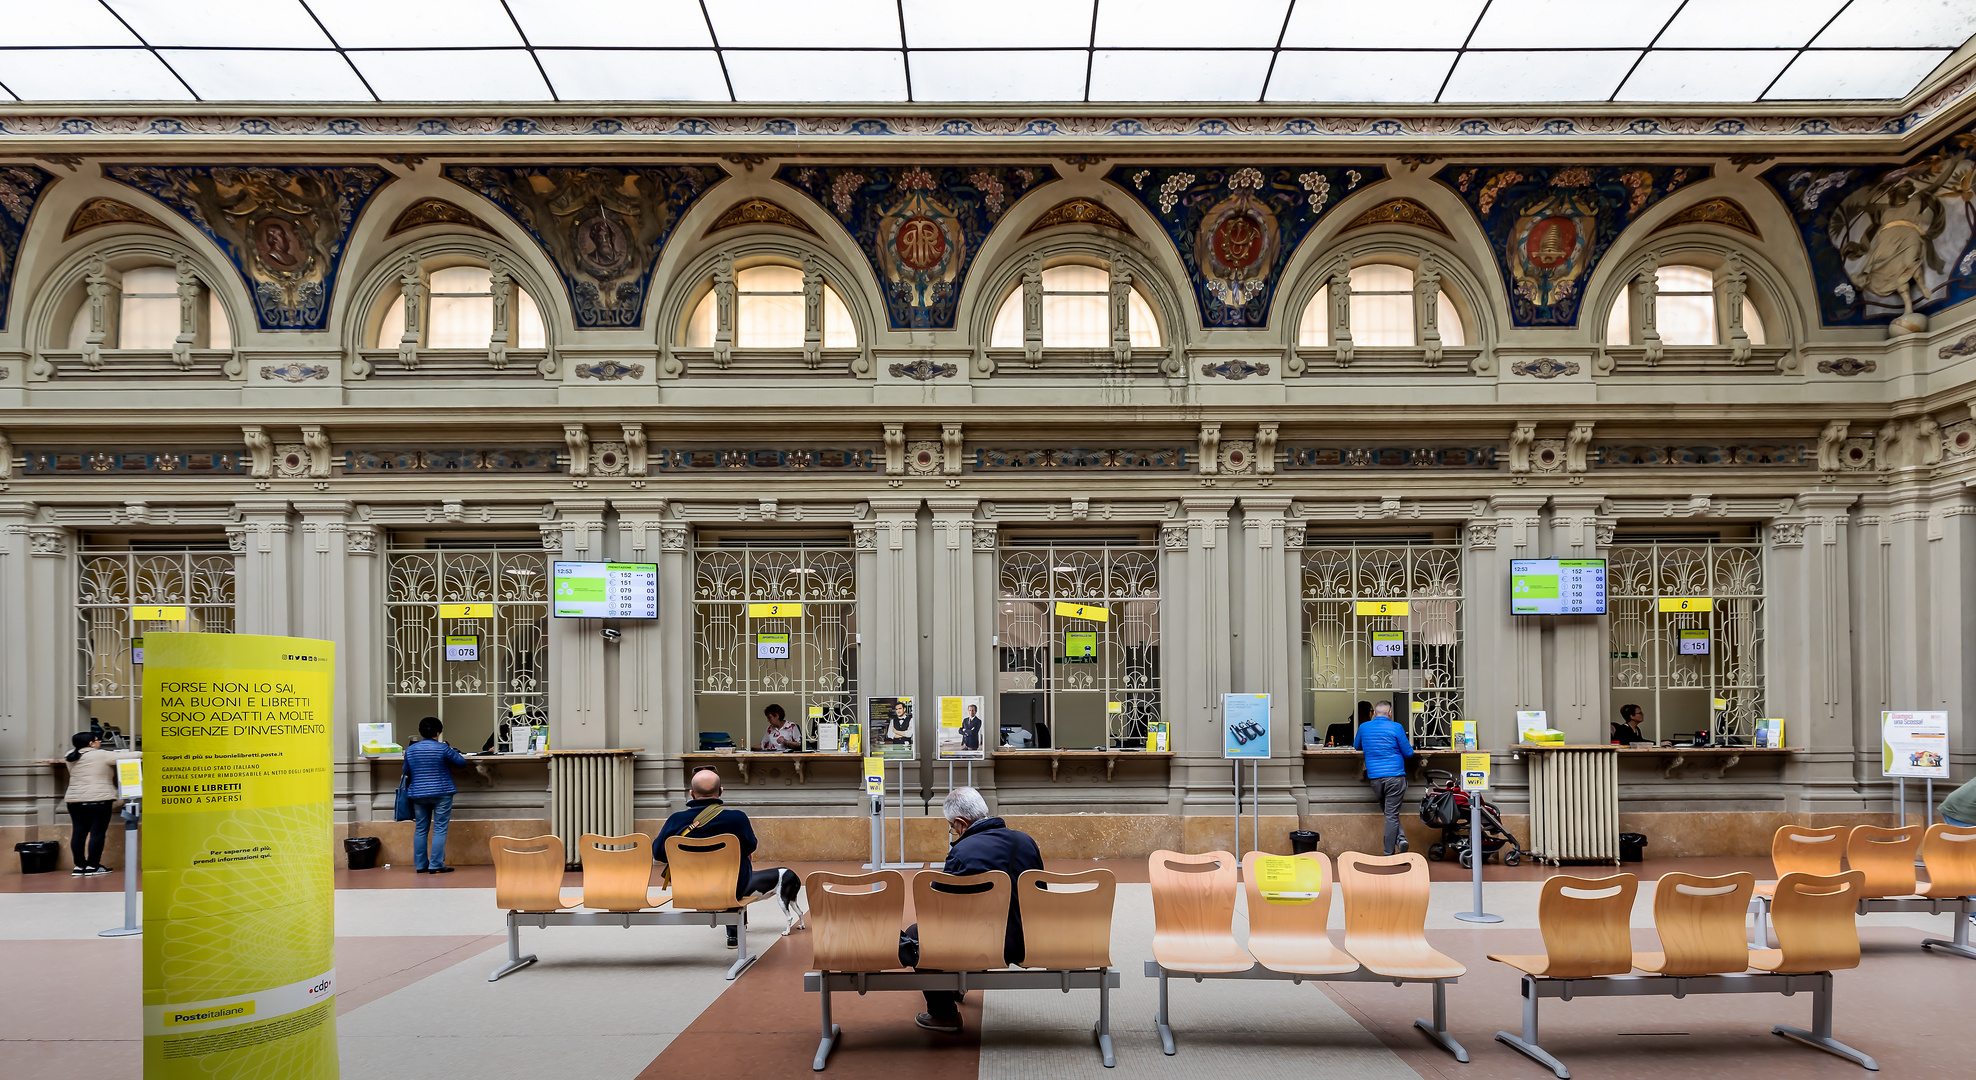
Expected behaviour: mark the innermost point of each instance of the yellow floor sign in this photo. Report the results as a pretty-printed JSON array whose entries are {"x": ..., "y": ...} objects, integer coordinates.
[{"x": 239, "y": 893}]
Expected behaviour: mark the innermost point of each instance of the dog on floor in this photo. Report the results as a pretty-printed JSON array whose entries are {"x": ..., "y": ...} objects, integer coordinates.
[{"x": 789, "y": 897}]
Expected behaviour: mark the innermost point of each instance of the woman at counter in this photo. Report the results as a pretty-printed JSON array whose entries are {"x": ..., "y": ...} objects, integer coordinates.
[
  {"x": 91, "y": 798},
  {"x": 783, "y": 733}
]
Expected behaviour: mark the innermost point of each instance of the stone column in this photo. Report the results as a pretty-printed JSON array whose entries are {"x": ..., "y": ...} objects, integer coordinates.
[
  {"x": 888, "y": 604},
  {"x": 1266, "y": 645},
  {"x": 1808, "y": 623},
  {"x": 1502, "y": 655},
  {"x": 579, "y": 714},
  {"x": 261, "y": 584},
  {"x": 649, "y": 648},
  {"x": 38, "y": 708},
  {"x": 359, "y": 652},
  {"x": 986, "y": 581},
  {"x": 1195, "y": 647},
  {"x": 325, "y": 610},
  {"x": 954, "y": 622},
  {"x": 1581, "y": 665}
]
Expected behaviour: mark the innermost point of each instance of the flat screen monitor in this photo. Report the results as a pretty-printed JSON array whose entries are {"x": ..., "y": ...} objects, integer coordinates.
[
  {"x": 605, "y": 590},
  {"x": 1557, "y": 587}
]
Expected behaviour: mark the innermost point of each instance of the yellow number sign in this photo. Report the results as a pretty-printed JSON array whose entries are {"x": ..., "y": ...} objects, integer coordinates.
[
  {"x": 1686, "y": 603},
  {"x": 1087, "y": 612},
  {"x": 1286, "y": 879},
  {"x": 466, "y": 611},
  {"x": 1382, "y": 607},
  {"x": 156, "y": 613},
  {"x": 775, "y": 611}
]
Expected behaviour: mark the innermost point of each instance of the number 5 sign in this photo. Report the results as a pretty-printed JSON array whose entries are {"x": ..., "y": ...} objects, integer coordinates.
[{"x": 1382, "y": 607}]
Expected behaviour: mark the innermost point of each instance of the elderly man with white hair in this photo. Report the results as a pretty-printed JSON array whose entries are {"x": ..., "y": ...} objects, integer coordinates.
[{"x": 980, "y": 843}]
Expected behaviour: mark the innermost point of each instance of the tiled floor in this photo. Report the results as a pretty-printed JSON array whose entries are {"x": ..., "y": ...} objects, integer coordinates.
[{"x": 603, "y": 1003}]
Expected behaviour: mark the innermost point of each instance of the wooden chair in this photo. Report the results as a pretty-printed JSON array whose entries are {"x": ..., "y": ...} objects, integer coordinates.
[
  {"x": 1194, "y": 912},
  {"x": 704, "y": 872},
  {"x": 1386, "y": 916},
  {"x": 1886, "y": 857},
  {"x": 1700, "y": 922},
  {"x": 1795, "y": 849},
  {"x": 1064, "y": 926},
  {"x": 1294, "y": 937},
  {"x": 1586, "y": 926},
  {"x": 617, "y": 872},
  {"x": 1815, "y": 922},
  {"x": 855, "y": 921},
  {"x": 528, "y": 879},
  {"x": 962, "y": 919},
  {"x": 1949, "y": 853}
]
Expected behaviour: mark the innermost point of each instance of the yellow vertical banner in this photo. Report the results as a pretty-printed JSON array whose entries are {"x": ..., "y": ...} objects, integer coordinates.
[{"x": 239, "y": 890}]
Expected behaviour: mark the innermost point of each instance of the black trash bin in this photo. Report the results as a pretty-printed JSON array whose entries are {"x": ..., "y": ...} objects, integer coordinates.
[
  {"x": 362, "y": 852},
  {"x": 1303, "y": 841},
  {"x": 1632, "y": 847},
  {"x": 39, "y": 856}
]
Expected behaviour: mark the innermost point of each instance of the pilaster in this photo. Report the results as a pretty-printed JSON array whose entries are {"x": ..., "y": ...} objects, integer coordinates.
[
  {"x": 1265, "y": 646},
  {"x": 1504, "y": 667},
  {"x": 888, "y": 601},
  {"x": 579, "y": 713},
  {"x": 1581, "y": 665},
  {"x": 260, "y": 542},
  {"x": 1196, "y": 646},
  {"x": 644, "y": 653}
]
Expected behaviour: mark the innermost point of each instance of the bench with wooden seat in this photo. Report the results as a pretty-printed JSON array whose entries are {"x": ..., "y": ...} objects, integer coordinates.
[
  {"x": 1588, "y": 947},
  {"x": 1066, "y": 927},
  {"x": 617, "y": 888},
  {"x": 1385, "y": 923},
  {"x": 1886, "y": 858}
]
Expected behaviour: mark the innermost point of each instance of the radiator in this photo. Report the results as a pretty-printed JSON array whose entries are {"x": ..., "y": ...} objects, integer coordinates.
[
  {"x": 589, "y": 792},
  {"x": 1574, "y": 804}
]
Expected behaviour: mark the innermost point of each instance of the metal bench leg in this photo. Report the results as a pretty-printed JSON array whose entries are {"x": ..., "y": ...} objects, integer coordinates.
[
  {"x": 1160, "y": 1019},
  {"x": 1527, "y": 1044},
  {"x": 1960, "y": 946},
  {"x": 1820, "y": 1034},
  {"x": 516, "y": 961},
  {"x": 830, "y": 1031},
  {"x": 745, "y": 958},
  {"x": 1760, "y": 930},
  {"x": 1438, "y": 1031},
  {"x": 1103, "y": 1030}
]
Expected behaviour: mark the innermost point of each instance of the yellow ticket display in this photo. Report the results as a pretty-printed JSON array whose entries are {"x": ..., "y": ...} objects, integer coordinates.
[
  {"x": 775, "y": 611},
  {"x": 130, "y": 779},
  {"x": 1087, "y": 612},
  {"x": 1686, "y": 603},
  {"x": 874, "y": 774},
  {"x": 1381, "y": 607},
  {"x": 466, "y": 611},
  {"x": 1286, "y": 879}
]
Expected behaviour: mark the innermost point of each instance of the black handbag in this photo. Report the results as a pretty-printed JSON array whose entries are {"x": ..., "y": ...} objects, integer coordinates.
[{"x": 401, "y": 810}]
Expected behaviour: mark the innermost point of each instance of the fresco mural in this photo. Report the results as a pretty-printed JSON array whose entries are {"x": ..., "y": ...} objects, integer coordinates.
[
  {"x": 1887, "y": 243},
  {"x": 1236, "y": 226},
  {"x": 1549, "y": 225},
  {"x": 20, "y": 188},
  {"x": 603, "y": 226},
  {"x": 919, "y": 225},
  {"x": 283, "y": 227}
]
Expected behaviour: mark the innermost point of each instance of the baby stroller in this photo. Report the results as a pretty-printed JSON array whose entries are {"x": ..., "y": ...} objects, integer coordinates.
[{"x": 1445, "y": 807}]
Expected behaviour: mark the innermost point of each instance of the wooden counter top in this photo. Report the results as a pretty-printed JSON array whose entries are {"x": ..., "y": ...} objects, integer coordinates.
[
  {"x": 1056, "y": 757},
  {"x": 796, "y": 758}
]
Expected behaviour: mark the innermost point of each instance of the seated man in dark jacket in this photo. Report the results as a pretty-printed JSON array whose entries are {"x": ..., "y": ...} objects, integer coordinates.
[
  {"x": 706, "y": 792},
  {"x": 981, "y": 843}
]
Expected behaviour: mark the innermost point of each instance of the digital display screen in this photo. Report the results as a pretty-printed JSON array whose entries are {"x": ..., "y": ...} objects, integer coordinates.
[
  {"x": 605, "y": 590},
  {"x": 1557, "y": 587}
]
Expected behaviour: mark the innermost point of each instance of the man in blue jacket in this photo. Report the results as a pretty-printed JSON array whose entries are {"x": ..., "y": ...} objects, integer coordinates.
[
  {"x": 705, "y": 816},
  {"x": 1384, "y": 743},
  {"x": 981, "y": 843}
]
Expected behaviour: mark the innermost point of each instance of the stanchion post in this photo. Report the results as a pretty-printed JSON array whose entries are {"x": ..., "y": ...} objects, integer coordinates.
[
  {"x": 131, "y": 872},
  {"x": 1479, "y": 914}
]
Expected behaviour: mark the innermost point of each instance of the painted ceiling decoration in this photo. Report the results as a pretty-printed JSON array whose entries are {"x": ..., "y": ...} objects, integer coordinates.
[
  {"x": 920, "y": 225},
  {"x": 758, "y": 211},
  {"x": 1400, "y": 212},
  {"x": 283, "y": 227},
  {"x": 435, "y": 212},
  {"x": 603, "y": 226},
  {"x": 102, "y": 211},
  {"x": 1549, "y": 225},
  {"x": 1236, "y": 226},
  {"x": 1885, "y": 241},
  {"x": 1727, "y": 213},
  {"x": 20, "y": 188},
  {"x": 1079, "y": 211}
]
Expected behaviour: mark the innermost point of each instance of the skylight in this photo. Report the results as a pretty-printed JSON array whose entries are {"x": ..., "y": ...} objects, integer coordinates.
[{"x": 1042, "y": 51}]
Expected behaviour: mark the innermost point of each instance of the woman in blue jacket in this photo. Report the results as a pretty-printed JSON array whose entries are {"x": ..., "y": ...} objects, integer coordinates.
[{"x": 428, "y": 763}]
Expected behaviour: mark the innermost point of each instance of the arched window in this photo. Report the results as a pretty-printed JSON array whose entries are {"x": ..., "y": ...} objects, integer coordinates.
[
  {"x": 768, "y": 312},
  {"x": 1076, "y": 312},
  {"x": 459, "y": 312},
  {"x": 1383, "y": 312},
  {"x": 141, "y": 309},
  {"x": 1687, "y": 311}
]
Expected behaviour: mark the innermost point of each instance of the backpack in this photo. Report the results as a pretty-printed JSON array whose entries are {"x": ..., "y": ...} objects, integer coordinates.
[{"x": 707, "y": 814}]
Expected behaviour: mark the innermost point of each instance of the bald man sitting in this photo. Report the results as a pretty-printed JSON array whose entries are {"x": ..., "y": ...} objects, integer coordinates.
[{"x": 705, "y": 816}]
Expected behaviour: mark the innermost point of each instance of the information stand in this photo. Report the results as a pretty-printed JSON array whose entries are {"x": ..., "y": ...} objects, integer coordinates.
[
  {"x": 1246, "y": 737},
  {"x": 130, "y": 788},
  {"x": 1475, "y": 781}
]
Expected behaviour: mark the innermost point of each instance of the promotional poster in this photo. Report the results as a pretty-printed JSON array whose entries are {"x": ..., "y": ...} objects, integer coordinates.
[
  {"x": 962, "y": 722},
  {"x": 891, "y": 726}
]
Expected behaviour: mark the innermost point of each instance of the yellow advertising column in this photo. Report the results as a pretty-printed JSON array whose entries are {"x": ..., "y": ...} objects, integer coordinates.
[{"x": 239, "y": 929}]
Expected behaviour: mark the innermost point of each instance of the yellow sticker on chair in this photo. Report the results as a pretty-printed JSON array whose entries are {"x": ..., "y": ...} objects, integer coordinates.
[{"x": 1286, "y": 879}]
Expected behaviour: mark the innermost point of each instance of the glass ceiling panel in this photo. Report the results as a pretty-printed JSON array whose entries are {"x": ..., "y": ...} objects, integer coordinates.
[
  {"x": 1514, "y": 52},
  {"x": 1030, "y": 75}
]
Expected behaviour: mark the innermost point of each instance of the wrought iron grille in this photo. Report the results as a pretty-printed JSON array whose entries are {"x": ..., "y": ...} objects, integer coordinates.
[
  {"x": 196, "y": 576},
  {"x": 1648, "y": 667},
  {"x": 737, "y": 674},
  {"x": 1076, "y": 681},
  {"x": 1350, "y": 656},
  {"x": 510, "y": 589}
]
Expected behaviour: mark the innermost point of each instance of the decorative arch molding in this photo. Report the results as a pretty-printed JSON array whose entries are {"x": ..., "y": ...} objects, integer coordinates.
[
  {"x": 435, "y": 211},
  {"x": 1007, "y": 276},
  {"x": 103, "y": 210},
  {"x": 65, "y": 290},
  {"x": 756, "y": 210},
  {"x": 1720, "y": 210},
  {"x": 1080, "y": 211},
  {"x": 1400, "y": 211},
  {"x": 365, "y": 309},
  {"x": 695, "y": 278},
  {"x": 1389, "y": 244},
  {"x": 1785, "y": 321}
]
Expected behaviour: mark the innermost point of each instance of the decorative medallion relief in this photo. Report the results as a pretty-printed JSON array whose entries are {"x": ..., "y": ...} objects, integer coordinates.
[
  {"x": 1959, "y": 438},
  {"x": 1965, "y": 347},
  {"x": 1846, "y": 366},
  {"x": 1856, "y": 454},
  {"x": 1238, "y": 457},
  {"x": 603, "y": 226},
  {"x": 1137, "y": 458},
  {"x": 1727, "y": 213},
  {"x": 610, "y": 371},
  {"x": 607, "y": 459},
  {"x": 758, "y": 211},
  {"x": 1544, "y": 368},
  {"x": 1236, "y": 227},
  {"x": 1079, "y": 211},
  {"x": 295, "y": 371},
  {"x": 1234, "y": 370},
  {"x": 920, "y": 226},
  {"x": 1400, "y": 212},
  {"x": 283, "y": 227},
  {"x": 924, "y": 371},
  {"x": 102, "y": 211},
  {"x": 1549, "y": 225},
  {"x": 922, "y": 458},
  {"x": 435, "y": 212},
  {"x": 20, "y": 188},
  {"x": 1547, "y": 455}
]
